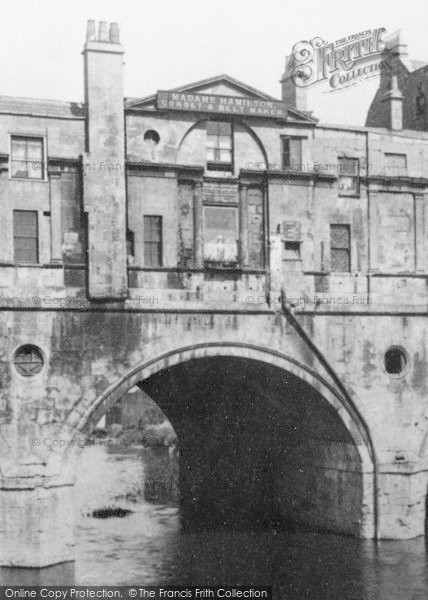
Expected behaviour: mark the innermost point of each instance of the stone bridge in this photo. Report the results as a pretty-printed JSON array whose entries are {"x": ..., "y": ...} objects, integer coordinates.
[{"x": 266, "y": 403}]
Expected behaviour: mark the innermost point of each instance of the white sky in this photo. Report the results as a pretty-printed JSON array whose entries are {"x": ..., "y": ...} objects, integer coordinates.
[{"x": 173, "y": 42}]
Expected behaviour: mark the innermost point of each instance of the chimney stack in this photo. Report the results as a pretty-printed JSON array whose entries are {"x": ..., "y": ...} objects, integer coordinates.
[
  {"x": 104, "y": 195},
  {"x": 292, "y": 94},
  {"x": 394, "y": 100}
]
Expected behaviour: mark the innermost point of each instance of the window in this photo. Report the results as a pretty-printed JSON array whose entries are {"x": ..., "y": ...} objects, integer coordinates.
[
  {"x": 292, "y": 251},
  {"x": 221, "y": 234},
  {"x": 219, "y": 143},
  {"x": 395, "y": 360},
  {"x": 420, "y": 101},
  {"x": 25, "y": 236},
  {"x": 152, "y": 241},
  {"x": 130, "y": 247},
  {"x": 395, "y": 164},
  {"x": 152, "y": 138},
  {"x": 292, "y": 153},
  {"x": 340, "y": 254},
  {"x": 27, "y": 158},
  {"x": 348, "y": 176},
  {"x": 28, "y": 360}
]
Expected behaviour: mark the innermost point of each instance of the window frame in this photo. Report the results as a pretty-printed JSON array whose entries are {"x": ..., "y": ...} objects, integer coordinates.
[
  {"x": 404, "y": 357},
  {"x": 348, "y": 227},
  {"x": 18, "y": 364},
  {"x": 29, "y": 136},
  {"x": 390, "y": 154},
  {"x": 213, "y": 165},
  {"x": 217, "y": 264},
  {"x": 290, "y": 137},
  {"x": 298, "y": 245},
  {"x": 152, "y": 242},
  {"x": 349, "y": 193},
  {"x": 37, "y": 238}
]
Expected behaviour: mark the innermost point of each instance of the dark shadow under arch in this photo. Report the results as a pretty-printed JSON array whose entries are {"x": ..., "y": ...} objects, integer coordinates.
[{"x": 161, "y": 376}]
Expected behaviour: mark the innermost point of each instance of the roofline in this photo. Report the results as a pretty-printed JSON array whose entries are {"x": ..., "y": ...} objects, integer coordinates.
[
  {"x": 410, "y": 133},
  {"x": 40, "y": 100},
  {"x": 182, "y": 88}
]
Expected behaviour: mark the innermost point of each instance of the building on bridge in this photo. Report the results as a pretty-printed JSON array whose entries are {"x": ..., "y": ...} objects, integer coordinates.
[{"x": 263, "y": 277}]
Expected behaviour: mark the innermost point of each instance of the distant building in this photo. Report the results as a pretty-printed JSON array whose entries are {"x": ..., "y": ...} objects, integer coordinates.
[{"x": 406, "y": 81}]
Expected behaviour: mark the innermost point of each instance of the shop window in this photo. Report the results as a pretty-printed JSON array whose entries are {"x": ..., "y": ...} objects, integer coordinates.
[{"x": 221, "y": 235}]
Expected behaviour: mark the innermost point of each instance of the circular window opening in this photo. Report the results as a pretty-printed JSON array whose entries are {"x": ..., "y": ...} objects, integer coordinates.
[
  {"x": 28, "y": 360},
  {"x": 151, "y": 137},
  {"x": 395, "y": 361}
]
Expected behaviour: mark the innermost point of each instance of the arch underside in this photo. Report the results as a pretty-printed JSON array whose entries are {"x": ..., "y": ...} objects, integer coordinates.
[{"x": 263, "y": 440}]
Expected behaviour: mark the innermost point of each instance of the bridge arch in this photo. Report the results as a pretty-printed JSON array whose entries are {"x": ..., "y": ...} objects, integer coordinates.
[{"x": 82, "y": 418}]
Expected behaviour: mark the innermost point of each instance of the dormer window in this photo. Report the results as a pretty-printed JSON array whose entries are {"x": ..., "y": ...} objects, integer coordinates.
[{"x": 219, "y": 145}]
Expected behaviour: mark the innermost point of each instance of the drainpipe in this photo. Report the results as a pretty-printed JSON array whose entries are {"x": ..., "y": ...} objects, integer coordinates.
[{"x": 267, "y": 235}]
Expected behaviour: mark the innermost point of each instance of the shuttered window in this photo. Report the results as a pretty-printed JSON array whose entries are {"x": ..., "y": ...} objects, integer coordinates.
[
  {"x": 25, "y": 236},
  {"x": 340, "y": 248},
  {"x": 152, "y": 241}
]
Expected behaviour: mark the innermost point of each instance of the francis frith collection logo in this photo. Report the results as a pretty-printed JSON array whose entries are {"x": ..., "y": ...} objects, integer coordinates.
[{"x": 342, "y": 63}]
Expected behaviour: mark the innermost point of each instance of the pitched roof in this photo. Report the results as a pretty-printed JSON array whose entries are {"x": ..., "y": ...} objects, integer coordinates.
[
  {"x": 203, "y": 84},
  {"x": 198, "y": 86},
  {"x": 43, "y": 108}
]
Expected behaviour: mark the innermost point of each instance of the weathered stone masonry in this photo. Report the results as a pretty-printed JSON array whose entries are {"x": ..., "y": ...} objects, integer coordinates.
[{"x": 144, "y": 243}]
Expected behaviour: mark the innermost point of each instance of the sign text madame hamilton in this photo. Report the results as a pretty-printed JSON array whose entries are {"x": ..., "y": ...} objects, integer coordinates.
[{"x": 221, "y": 104}]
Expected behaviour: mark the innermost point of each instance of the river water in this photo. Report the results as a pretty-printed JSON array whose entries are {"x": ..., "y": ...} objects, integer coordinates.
[{"x": 148, "y": 547}]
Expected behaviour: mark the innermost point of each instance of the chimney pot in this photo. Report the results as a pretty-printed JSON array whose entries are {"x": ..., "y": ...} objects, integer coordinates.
[
  {"x": 90, "y": 31},
  {"x": 114, "y": 33},
  {"x": 102, "y": 32}
]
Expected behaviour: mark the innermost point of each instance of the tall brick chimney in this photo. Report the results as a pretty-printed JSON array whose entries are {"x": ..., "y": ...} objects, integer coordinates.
[
  {"x": 104, "y": 163},
  {"x": 394, "y": 105},
  {"x": 292, "y": 94}
]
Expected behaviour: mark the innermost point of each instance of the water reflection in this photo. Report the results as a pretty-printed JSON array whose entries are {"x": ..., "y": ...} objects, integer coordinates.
[{"x": 149, "y": 546}]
